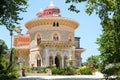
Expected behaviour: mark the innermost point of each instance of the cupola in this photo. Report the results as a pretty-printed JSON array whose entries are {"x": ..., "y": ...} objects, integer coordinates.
[{"x": 50, "y": 11}]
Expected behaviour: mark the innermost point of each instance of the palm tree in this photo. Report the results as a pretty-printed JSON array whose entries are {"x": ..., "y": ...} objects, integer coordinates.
[{"x": 11, "y": 29}]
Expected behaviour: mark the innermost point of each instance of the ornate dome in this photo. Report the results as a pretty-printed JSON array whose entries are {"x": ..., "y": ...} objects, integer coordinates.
[{"x": 49, "y": 11}]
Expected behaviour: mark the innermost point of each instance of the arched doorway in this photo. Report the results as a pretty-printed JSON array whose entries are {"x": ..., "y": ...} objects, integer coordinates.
[
  {"x": 38, "y": 62},
  {"x": 38, "y": 59},
  {"x": 58, "y": 61}
]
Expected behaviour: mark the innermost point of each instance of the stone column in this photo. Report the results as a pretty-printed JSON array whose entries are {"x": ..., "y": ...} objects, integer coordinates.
[
  {"x": 70, "y": 56},
  {"x": 47, "y": 60},
  {"x": 62, "y": 61},
  {"x": 46, "y": 57},
  {"x": 44, "y": 61},
  {"x": 80, "y": 60},
  {"x": 53, "y": 59},
  {"x": 70, "y": 53},
  {"x": 54, "y": 55}
]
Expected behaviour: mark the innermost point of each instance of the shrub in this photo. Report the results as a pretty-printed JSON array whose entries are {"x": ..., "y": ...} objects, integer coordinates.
[
  {"x": 111, "y": 70},
  {"x": 41, "y": 70},
  {"x": 61, "y": 71},
  {"x": 84, "y": 70},
  {"x": 7, "y": 77},
  {"x": 54, "y": 70},
  {"x": 69, "y": 70},
  {"x": 27, "y": 68},
  {"x": 108, "y": 71}
]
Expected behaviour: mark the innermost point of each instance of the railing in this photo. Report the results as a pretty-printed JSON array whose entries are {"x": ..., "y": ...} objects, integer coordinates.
[{"x": 56, "y": 43}]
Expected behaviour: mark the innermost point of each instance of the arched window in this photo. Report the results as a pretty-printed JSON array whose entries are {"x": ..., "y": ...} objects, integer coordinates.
[
  {"x": 55, "y": 37},
  {"x": 49, "y": 12},
  {"x": 57, "y": 24},
  {"x": 38, "y": 39},
  {"x": 54, "y": 24}
]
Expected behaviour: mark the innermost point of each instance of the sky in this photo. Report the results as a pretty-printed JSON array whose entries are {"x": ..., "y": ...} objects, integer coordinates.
[{"x": 89, "y": 26}]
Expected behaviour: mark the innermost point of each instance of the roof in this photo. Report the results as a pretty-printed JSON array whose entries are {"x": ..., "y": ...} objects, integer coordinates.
[{"x": 51, "y": 10}]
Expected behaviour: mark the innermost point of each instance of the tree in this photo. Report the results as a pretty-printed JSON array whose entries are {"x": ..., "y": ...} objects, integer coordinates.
[
  {"x": 3, "y": 47},
  {"x": 7, "y": 69},
  {"x": 109, "y": 13},
  {"x": 9, "y": 16},
  {"x": 9, "y": 12},
  {"x": 3, "y": 51}
]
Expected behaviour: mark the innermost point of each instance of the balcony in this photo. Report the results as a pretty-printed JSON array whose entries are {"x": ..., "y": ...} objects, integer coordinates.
[{"x": 56, "y": 43}]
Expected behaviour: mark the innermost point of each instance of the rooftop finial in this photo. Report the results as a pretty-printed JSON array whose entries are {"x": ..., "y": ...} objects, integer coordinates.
[
  {"x": 41, "y": 9},
  {"x": 51, "y": 3}
]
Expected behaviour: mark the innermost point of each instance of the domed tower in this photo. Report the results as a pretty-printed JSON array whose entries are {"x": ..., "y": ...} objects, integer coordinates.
[{"x": 52, "y": 39}]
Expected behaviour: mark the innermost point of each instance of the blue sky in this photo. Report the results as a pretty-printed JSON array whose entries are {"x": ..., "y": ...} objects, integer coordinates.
[{"x": 89, "y": 28}]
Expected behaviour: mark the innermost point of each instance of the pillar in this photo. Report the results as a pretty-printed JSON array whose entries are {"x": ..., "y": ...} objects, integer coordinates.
[
  {"x": 70, "y": 56},
  {"x": 53, "y": 59},
  {"x": 62, "y": 61},
  {"x": 48, "y": 60},
  {"x": 46, "y": 57},
  {"x": 54, "y": 55}
]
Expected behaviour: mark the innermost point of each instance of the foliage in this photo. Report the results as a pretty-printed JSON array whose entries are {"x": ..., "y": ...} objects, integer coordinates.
[
  {"x": 84, "y": 70},
  {"x": 3, "y": 51},
  {"x": 10, "y": 10},
  {"x": 69, "y": 70},
  {"x": 3, "y": 48},
  {"x": 38, "y": 69},
  {"x": 109, "y": 71},
  {"x": 94, "y": 61},
  {"x": 72, "y": 6},
  {"x": 7, "y": 69},
  {"x": 6, "y": 77},
  {"x": 118, "y": 77},
  {"x": 27, "y": 68},
  {"x": 55, "y": 71},
  {"x": 61, "y": 71},
  {"x": 113, "y": 69},
  {"x": 11, "y": 53},
  {"x": 109, "y": 13},
  {"x": 58, "y": 71}
]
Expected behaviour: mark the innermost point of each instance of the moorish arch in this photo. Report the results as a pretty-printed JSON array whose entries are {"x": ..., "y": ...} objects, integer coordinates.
[
  {"x": 50, "y": 60},
  {"x": 38, "y": 38},
  {"x": 58, "y": 59},
  {"x": 56, "y": 36},
  {"x": 65, "y": 60},
  {"x": 38, "y": 59}
]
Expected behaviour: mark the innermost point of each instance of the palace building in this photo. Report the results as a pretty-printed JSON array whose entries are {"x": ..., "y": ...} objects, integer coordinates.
[{"x": 49, "y": 41}]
